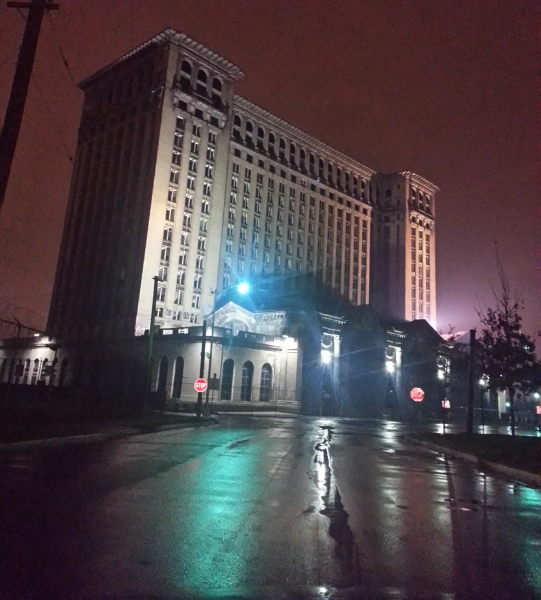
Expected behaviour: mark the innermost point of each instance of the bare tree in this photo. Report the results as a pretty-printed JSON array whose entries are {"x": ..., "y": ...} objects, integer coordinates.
[{"x": 504, "y": 353}]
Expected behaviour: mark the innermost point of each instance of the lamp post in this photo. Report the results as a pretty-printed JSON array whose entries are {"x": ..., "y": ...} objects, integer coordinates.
[{"x": 243, "y": 288}]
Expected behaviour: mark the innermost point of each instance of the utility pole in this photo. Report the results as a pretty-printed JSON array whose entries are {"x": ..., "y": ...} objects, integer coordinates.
[
  {"x": 19, "y": 88},
  {"x": 150, "y": 347},
  {"x": 199, "y": 405},
  {"x": 471, "y": 390}
]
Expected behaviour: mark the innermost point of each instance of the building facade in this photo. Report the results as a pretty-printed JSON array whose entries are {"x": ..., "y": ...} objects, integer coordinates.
[{"x": 178, "y": 177}]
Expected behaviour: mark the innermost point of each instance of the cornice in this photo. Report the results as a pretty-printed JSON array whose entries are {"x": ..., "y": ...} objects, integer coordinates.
[
  {"x": 181, "y": 39},
  {"x": 290, "y": 130},
  {"x": 420, "y": 181}
]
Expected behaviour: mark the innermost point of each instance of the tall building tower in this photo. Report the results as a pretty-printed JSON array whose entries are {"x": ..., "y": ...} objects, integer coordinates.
[
  {"x": 403, "y": 266},
  {"x": 175, "y": 176},
  {"x": 148, "y": 190}
]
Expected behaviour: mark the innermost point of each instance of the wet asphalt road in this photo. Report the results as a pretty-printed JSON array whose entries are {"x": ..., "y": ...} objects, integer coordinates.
[{"x": 264, "y": 508}]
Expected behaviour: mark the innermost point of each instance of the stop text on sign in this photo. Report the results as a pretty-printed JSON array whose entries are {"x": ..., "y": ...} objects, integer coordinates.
[
  {"x": 417, "y": 394},
  {"x": 200, "y": 385}
]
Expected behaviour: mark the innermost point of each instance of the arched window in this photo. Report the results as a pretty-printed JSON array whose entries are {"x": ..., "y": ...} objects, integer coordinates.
[
  {"x": 63, "y": 373},
  {"x": 162, "y": 374},
  {"x": 266, "y": 383},
  {"x": 35, "y": 372},
  {"x": 186, "y": 68},
  {"x": 44, "y": 368},
  {"x": 246, "y": 385},
  {"x": 185, "y": 75},
  {"x": 292, "y": 153},
  {"x": 202, "y": 82},
  {"x": 282, "y": 145},
  {"x": 3, "y": 369},
  {"x": 227, "y": 379},
  {"x": 216, "y": 87},
  {"x": 26, "y": 371},
  {"x": 272, "y": 141},
  {"x": 260, "y": 133},
  {"x": 54, "y": 371},
  {"x": 249, "y": 132},
  {"x": 236, "y": 121},
  {"x": 178, "y": 376}
]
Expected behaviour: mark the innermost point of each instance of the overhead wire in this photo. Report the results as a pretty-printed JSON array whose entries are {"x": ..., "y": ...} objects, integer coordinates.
[
  {"x": 64, "y": 60},
  {"x": 48, "y": 108}
]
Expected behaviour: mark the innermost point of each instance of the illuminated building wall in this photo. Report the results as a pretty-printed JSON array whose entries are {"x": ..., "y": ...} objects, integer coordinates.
[{"x": 175, "y": 176}]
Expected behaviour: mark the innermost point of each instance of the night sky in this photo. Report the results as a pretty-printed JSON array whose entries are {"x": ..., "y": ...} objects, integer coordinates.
[{"x": 446, "y": 89}]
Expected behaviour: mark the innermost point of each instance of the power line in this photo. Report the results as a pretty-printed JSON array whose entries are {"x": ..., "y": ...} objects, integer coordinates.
[{"x": 64, "y": 60}]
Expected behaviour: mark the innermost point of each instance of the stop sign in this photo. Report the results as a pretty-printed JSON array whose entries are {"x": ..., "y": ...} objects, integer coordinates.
[
  {"x": 417, "y": 394},
  {"x": 200, "y": 385}
]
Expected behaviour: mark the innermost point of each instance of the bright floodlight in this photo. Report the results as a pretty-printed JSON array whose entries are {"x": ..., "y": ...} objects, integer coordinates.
[
  {"x": 243, "y": 288},
  {"x": 326, "y": 356},
  {"x": 389, "y": 365}
]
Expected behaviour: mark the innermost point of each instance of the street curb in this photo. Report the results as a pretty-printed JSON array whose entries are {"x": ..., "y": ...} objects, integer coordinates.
[
  {"x": 524, "y": 476},
  {"x": 90, "y": 438}
]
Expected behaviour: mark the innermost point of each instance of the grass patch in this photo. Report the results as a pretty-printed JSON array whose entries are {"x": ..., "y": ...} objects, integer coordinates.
[{"x": 519, "y": 452}]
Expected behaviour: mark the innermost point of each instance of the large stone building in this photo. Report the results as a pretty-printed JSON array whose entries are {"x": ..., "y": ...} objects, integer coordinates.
[{"x": 175, "y": 176}]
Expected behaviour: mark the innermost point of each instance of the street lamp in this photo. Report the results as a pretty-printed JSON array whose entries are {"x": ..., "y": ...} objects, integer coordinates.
[{"x": 242, "y": 288}]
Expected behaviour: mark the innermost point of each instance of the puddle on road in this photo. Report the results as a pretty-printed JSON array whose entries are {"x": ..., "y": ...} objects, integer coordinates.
[{"x": 333, "y": 508}]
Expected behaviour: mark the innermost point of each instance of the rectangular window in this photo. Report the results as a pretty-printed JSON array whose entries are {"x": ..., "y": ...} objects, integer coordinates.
[
  {"x": 202, "y": 243},
  {"x": 167, "y": 234},
  {"x": 243, "y": 232},
  {"x": 233, "y": 198},
  {"x": 160, "y": 297},
  {"x": 203, "y": 225},
  {"x": 242, "y": 249},
  {"x": 173, "y": 176},
  {"x": 179, "y": 138},
  {"x": 169, "y": 213},
  {"x": 231, "y": 214},
  {"x": 175, "y": 158},
  {"x": 211, "y": 154},
  {"x": 207, "y": 188},
  {"x": 248, "y": 174},
  {"x": 194, "y": 147},
  {"x": 209, "y": 171},
  {"x": 230, "y": 231},
  {"x": 212, "y": 137},
  {"x": 205, "y": 207},
  {"x": 179, "y": 297},
  {"x": 185, "y": 238},
  {"x": 192, "y": 165},
  {"x": 195, "y": 300},
  {"x": 229, "y": 246},
  {"x": 165, "y": 253},
  {"x": 190, "y": 183},
  {"x": 172, "y": 195}
]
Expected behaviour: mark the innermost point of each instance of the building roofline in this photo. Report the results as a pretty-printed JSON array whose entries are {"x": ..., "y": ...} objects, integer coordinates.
[
  {"x": 180, "y": 39},
  {"x": 418, "y": 180},
  {"x": 288, "y": 128}
]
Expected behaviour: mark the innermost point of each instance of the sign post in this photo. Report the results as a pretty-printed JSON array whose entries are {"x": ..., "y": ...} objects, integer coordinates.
[
  {"x": 200, "y": 385},
  {"x": 445, "y": 406},
  {"x": 417, "y": 395}
]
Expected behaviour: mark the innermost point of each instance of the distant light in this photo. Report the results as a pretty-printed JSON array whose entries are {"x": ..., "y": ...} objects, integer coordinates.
[
  {"x": 482, "y": 382},
  {"x": 535, "y": 395},
  {"x": 243, "y": 288},
  {"x": 326, "y": 356},
  {"x": 441, "y": 374},
  {"x": 389, "y": 365},
  {"x": 36, "y": 335},
  {"x": 508, "y": 404}
]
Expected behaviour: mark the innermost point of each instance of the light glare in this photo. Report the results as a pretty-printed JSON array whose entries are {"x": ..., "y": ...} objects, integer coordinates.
[{"x": 243, "y": 288}]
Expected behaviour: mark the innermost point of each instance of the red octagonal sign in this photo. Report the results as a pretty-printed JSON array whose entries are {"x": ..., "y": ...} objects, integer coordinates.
[
  {"x": 417, "y": 394},
  {"x": 200, "y": 385}
]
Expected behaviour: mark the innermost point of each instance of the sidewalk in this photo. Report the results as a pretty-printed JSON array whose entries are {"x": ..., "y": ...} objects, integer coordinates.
[
  {"x": 533, "y": 479},
  {"x": 101, "y": 432}
]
